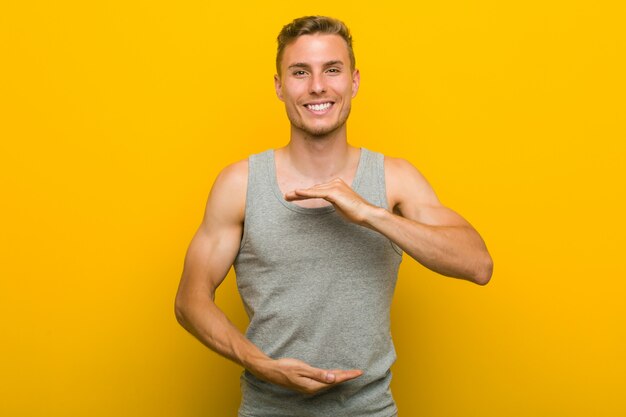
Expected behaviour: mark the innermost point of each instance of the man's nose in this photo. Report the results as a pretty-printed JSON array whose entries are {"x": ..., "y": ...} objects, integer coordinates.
[{"x": 317, "y": 84}]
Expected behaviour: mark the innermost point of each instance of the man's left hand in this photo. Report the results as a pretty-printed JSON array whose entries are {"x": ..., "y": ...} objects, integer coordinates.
[{"x": 346, "y": 201}]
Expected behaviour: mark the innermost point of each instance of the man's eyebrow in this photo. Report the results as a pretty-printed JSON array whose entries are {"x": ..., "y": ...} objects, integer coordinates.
[
  {"x": 299, "y": 64},
  {"x": 305, "y": 65}
]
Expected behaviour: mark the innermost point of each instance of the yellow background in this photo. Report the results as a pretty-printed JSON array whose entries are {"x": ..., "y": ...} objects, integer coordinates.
[{"x": 115, "y": 118}]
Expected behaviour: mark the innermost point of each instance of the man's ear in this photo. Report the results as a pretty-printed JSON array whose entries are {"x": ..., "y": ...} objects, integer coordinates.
[
  {"x": 278, "y": 87},
  {"x": 356, "y": 81}
]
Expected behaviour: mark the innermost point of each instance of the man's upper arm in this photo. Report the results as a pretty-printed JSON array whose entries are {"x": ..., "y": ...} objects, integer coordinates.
[
  {"x": 411, "y": 196},
  {"x": 216, "y": 243}
]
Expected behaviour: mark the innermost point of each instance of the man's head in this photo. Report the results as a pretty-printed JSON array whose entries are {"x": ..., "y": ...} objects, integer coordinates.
[
  {"x": 316, "y": 76},
  {"x": 310, "y": 25}
]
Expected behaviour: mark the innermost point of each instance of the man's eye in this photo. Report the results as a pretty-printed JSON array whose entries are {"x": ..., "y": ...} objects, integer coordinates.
[
  {"x": 299, "y": 72},
  {"x": 334, "y": 70}
]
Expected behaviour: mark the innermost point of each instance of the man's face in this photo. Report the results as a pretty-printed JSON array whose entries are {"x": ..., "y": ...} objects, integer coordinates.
[{"x": 317, "y": 84}]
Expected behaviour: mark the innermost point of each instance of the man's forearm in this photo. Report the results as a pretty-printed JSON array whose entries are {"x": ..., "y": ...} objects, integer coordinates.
[
  {"x": 203, "y": 319},
  {"x": 210, "y": 325},
  {"x": 455, "y": 251}
]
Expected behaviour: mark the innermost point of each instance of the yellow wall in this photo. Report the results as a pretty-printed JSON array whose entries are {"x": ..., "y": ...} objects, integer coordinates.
[{"x": 115, "y": 119}]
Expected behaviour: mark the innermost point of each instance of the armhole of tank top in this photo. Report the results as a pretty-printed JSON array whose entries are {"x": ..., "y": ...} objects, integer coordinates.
[
  {"x": 382, "y": 185},
  {"x": 244, "y": 234}
]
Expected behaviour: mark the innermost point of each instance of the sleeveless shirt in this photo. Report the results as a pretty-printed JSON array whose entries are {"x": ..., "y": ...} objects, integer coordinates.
[{"x": 318, "y": 288}]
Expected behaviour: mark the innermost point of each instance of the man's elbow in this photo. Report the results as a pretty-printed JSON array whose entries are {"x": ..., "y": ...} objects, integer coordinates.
[
  {"x": 187, "y": 306},
  {"x": 179, "y": 311},
  {"x": 182, "y": 306},
  {"x": 484, "y": 272}
]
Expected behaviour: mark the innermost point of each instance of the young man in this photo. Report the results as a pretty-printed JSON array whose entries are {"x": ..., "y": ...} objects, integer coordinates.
[{"x": 315, "y": 231}]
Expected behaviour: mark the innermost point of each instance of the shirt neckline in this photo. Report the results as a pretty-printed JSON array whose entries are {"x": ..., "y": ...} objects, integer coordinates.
[{"x": 312, "y": 210}]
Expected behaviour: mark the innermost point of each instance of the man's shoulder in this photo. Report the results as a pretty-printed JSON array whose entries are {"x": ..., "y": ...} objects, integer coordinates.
[
  {"x": 234, "y": 172},
  {"x": 229, "y": 188},
  {"x": 405, "y": 183},
  {"x": 239, "y": 169},
  {"x": 234, "y": 176},
  {"x": 397, "y": 167}
]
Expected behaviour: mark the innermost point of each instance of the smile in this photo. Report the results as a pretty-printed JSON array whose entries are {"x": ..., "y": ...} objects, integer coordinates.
[{"x": 319, "y": 108}]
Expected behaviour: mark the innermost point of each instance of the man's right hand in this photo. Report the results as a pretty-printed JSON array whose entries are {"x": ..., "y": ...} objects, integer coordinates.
[{"x": 302, "y": 377}]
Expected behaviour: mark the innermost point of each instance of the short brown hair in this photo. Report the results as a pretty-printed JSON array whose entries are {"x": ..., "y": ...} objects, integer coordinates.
[{"x": 309, "y": 25}]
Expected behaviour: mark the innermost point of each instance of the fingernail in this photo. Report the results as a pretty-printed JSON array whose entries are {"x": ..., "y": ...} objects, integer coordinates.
[{"x": 330, "y": 377}]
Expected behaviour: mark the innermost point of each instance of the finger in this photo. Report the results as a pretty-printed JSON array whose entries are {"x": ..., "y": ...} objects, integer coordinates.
[
  {"x": 292, "y": 196},
  {"x": 320, "y": 375},
  {"x": 296, "y": 197},
  {"x": 306, "y": 194},
  {"x": 313, "y": 193},
  {"x": 345, "y": 375},
  {"x": 333, "y": 376}
]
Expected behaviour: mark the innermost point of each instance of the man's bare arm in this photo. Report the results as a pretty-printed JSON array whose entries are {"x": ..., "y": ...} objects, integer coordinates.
[
  {"x": 440, "y": 238},
  {"x": 210, "y": 255},
  {"x": 209, "y": 258},
  {"x": 429, "y": 232}
]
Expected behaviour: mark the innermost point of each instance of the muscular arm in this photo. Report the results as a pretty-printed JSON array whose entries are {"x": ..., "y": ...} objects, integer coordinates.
[
  {"x": 434, "y": 235},
  {"x": 209, "y": 257}
]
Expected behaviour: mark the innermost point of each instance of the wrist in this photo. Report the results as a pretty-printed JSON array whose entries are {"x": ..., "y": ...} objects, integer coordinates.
[
  {"x": 373, "y": 217},
  {"x": 259, "y": 366}
]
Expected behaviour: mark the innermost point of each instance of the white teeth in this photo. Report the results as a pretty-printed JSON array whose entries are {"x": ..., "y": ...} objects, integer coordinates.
[{"x": 319, "y": 107}]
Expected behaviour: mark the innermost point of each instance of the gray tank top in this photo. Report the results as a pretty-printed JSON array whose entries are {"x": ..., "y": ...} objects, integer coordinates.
[{"x": 317, "y": 288}]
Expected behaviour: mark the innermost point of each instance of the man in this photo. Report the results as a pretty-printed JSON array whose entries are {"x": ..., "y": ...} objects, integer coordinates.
[{"x": 315, "y": 231}]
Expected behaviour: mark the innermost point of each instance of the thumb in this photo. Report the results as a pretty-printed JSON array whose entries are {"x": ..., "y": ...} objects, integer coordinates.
[
  {"x": 330, "y": 377},
  {"x": 324, "y": 376}
]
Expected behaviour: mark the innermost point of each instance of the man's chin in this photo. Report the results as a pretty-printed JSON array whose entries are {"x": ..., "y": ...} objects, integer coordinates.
[{"x": 320, "y": 132}]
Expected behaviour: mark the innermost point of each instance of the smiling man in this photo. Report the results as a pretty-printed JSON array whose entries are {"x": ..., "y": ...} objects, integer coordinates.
[{"x": 316, "y": 231}]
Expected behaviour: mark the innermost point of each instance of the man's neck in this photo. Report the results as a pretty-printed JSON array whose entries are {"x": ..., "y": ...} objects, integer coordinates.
[{"x": 319, "y": 158}]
